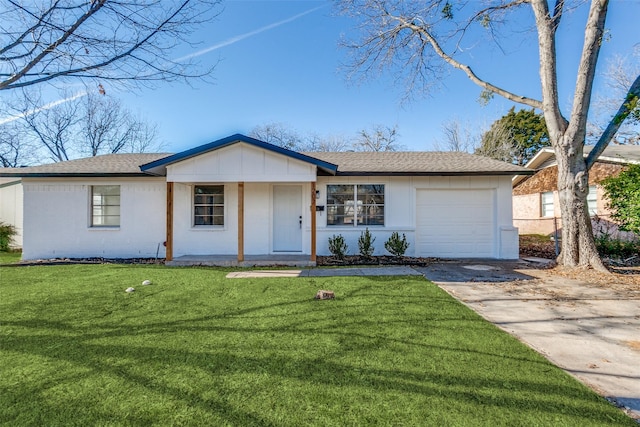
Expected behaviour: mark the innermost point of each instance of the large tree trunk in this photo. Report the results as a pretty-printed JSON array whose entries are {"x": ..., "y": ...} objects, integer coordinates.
[
  {"x": 568, "y": 136},
  {"x": 578, "y": 247}
]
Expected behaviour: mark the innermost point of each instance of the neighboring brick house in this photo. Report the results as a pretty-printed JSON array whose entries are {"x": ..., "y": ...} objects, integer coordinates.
[{"x": 536, "y": 207}]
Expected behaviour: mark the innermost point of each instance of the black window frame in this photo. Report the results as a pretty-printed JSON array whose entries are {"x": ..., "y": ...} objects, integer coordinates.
[
  {"x": 356, "y": 205},
  {"x": 208, "y": 205}
]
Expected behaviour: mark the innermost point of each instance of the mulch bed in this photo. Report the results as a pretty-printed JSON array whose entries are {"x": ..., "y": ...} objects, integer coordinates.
[{"x": 374, "y": 260}]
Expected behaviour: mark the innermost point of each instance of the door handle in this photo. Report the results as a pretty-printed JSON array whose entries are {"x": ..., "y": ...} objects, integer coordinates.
[{"x": 300, "y": 221}]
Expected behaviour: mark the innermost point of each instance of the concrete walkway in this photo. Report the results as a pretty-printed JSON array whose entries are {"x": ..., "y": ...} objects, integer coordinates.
[
  {"x": 591, "y": 332},
  {"x": 328, "y": 272}
]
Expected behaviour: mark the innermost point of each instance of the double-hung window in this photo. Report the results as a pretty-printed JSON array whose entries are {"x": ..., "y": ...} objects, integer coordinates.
[
  {"x": 105, "y": 206},
  {"x": 208, "y": 205},
  {"x": 546, "y": 204},
  {"x": 353, "y": 205}
]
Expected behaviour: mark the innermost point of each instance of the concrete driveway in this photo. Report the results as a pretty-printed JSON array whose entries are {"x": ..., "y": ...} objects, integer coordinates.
[{"x": 590, "y": 331}]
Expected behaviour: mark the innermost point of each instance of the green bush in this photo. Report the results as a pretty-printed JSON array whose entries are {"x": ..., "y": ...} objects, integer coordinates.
[
  {"x": 395, "y": 245},
  {"x": 7, "y": 233},
  {"x": 616, "y": 248},
  {"x": 623, "y": 193},
  {"x": 365, "y": 243},
  {"x": 337, "y": 246}
]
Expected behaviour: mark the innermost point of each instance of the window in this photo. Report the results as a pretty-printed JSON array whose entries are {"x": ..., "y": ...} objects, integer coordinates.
[
  {"x": 355, "y": 205},
  {"x": 208, "y": 205},
  {"x": 547, "y": 204},
  {"x": 592, "y": 200},
  {"x": 105, "y": 206}
]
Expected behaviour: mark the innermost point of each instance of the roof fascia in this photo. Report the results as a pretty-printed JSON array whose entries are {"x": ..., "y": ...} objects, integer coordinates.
[
  {"x": 617, "y": 160},
  {"x": 77, "y": 175},
  {"x": 474, "y": 173},
  {"x": 544, "y": 154}
]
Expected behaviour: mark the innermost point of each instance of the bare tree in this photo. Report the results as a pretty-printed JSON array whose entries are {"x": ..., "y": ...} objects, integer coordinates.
[
  {"x": 417, "y": 38},
  {"x": 126, "y": 41},
  {"x": 106, "y": 127},
  {"x": 85, "y": 126},
  {"x": 378, "y": 138},
  {"x": 457, "y": 137},
  {"x": 316, "y": 142},
  {"x": 618, "y": 77},
  {"x": 278, "y": 134},
  {"x": 14, "y": 150},
  {"x": 51, "y": 129}
]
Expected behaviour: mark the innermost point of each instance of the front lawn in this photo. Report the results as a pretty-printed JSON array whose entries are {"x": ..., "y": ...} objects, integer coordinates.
[
  {"x": 10, "y": 257},
  {"x": 195, "y": 348}
]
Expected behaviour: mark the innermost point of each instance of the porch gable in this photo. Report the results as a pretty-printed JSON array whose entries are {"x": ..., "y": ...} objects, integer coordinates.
[{"x": 241, "y": 162}]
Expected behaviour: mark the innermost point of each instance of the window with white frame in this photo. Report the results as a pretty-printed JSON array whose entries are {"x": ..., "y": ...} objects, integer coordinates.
[
  {"x": 208, "y": 205},
  {"x": 105, "y": 206},
  {"x": 546, "y": 204},
  {"x": 592, "y": 200},
  {"x": 355, "y": 204}
]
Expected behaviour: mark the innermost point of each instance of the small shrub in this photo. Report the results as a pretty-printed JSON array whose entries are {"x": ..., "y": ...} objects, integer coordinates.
[
  {"x": 7, "y": 233},
  {"x": 337, "y": 246},
  {"x": 616, "y": 248},
  {"x": 395, "y": 245},
  {"x": 365, "y": 243}
]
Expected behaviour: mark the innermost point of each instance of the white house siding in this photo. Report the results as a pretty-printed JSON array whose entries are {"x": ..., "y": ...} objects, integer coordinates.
[
  {"x": 223, "y": 240},
  {"x": 241, "y": 163},
  {"x": 11, "y": 206},
  {"x": 57, "y": 219},
  {"x": 260, "y": 170},
  {"x": 400, "y": 213}
]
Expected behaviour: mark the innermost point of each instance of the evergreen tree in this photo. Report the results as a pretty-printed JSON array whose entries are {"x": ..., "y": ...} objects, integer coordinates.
[{"x": 516, "y": 137}]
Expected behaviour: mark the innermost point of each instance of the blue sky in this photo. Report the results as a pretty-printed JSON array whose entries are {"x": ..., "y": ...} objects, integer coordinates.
[{"x": 279, "y": 61}]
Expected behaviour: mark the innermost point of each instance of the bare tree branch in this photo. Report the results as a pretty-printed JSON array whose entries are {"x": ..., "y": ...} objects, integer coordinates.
[
  {"x": 378, "y": 138},
  {"x": 587, "y": 68},
  {"x": 126, "y": 41},
  {"x": 395, "y": 36},
  {"x": 631, "y": 102}
]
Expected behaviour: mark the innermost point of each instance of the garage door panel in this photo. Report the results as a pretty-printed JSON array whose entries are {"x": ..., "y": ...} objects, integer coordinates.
[{"x": 455, "y": 223}]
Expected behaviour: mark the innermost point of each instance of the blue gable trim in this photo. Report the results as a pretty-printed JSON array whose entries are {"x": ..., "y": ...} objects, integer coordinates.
[{"x": 161, "y": 164}]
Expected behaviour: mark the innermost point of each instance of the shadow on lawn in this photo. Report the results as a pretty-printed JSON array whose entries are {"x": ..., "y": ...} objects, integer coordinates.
[{"x": 130, "y": 362}]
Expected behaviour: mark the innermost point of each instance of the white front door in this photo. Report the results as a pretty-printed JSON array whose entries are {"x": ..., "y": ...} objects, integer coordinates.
[{"x": 287, "y": 218}]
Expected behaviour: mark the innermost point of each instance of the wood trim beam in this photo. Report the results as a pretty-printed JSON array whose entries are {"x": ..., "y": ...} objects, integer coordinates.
[
  {"x": 169, "y": 228},
  {"x": 240, "y": 221},
  {"x": 313, "y": 222}
]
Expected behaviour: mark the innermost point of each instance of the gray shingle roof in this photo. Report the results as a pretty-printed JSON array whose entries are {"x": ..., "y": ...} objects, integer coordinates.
[
  {"x": 105, "y": 165},
  {"x": 349, "y": 163},
  {"x": 417, "y": 163},
  {"x": 618, "y": 153}
]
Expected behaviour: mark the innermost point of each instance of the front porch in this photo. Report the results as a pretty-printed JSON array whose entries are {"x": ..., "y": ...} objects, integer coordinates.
[{"x": 248, "y": 261}]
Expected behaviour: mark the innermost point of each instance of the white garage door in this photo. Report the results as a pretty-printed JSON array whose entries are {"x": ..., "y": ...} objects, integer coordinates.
[{"x": 455, "y": 223}]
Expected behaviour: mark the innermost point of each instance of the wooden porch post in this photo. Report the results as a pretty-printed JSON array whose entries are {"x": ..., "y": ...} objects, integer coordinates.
[
  {"x": 313, "y": 222},
  {"x": 240, "y": 221},
  {"x": 169, "y": 239}
]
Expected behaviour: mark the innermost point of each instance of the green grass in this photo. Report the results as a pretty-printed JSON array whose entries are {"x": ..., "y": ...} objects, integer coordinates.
[
  {"x": 11, "y": 257},
  {"x": 195, "y": 348}
]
